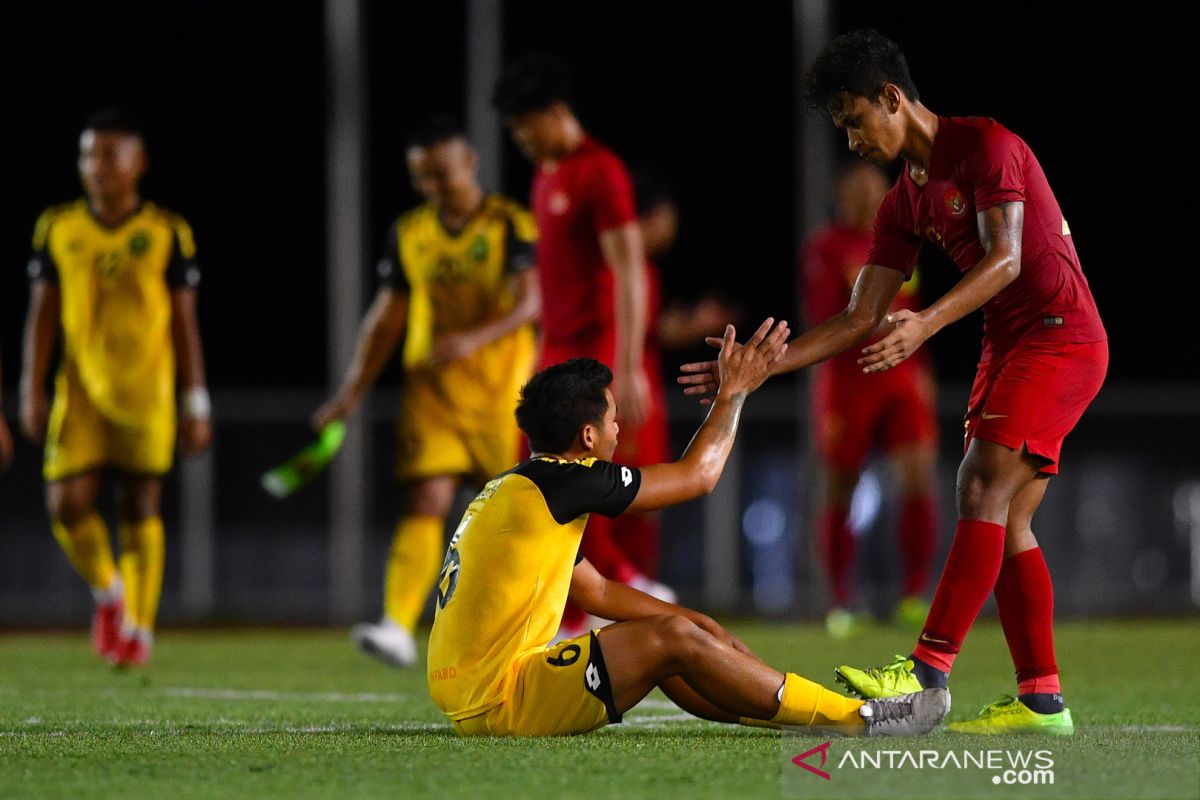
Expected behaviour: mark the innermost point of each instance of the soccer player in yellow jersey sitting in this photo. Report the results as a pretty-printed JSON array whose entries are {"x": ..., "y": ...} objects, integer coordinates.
[
  {"x": 514, "y": 561},
  {"x": 458, "y": 286},
  {"x": 117, "y": 277}
]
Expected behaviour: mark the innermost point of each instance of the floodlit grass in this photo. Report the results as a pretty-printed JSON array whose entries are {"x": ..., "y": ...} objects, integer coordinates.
[{"x": 297, "y": 714}]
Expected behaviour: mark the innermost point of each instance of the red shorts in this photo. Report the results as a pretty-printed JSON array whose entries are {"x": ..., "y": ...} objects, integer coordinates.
[
  {"x": 852, "y": 412},
  {"x": 1033, "y": 395}
]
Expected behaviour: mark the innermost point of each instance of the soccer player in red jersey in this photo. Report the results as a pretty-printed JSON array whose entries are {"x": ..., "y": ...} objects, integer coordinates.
[
  {"x": 591, "y": 264},
  {"x": 975, "y": 189},
  {"x": 668, "y": 327},
  {"x": 852, "y": 412}
]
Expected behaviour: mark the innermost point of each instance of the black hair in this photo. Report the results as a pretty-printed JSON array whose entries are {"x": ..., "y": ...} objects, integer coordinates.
[
  {"x": 650, "y": 191},
  {"x": 560, "y": 400},
  {"x": 434, "y": 129},
  {"x": 114, "y": 120},
  {"x": 532, "y": 83},
  {"x": 858, "y": 63}
]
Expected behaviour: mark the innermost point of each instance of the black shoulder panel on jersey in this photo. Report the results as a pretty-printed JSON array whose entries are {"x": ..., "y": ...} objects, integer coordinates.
[
  {"x": 572, "y": 488},
  {"x": 389, "y": 268},
  {"x": 182, "y": 271},
  {"x": 518, "y": 254}
]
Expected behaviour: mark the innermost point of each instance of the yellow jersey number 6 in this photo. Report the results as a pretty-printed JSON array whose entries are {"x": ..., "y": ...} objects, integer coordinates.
[{"x": 448, "y": 579}]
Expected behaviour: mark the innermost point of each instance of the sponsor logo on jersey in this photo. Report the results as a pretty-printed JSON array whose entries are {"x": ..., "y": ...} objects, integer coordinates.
[
  {"x": 626, "y": 476},
  {"x": 139, "y": 243}
]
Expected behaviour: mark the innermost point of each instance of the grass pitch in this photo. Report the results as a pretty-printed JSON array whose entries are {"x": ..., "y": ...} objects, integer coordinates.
[{"x": 300, "y": 714}]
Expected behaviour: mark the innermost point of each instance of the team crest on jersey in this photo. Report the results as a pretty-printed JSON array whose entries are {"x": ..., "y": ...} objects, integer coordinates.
[
  {"x": 559, "y": 203},
  {"x": 956, "y": 204},
  {"x": 139, "y": 243},
  {"x": 479, "y": 248}
]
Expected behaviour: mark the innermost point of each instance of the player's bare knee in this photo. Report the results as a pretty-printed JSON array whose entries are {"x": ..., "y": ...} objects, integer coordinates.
[
  {"x": 982, "y": 493},
  {"x": 67, "y": 506},
  {"x": 675, "y": 639},
  {"x": 139, "y": 500},
  {"x": 431, "y": 498}
]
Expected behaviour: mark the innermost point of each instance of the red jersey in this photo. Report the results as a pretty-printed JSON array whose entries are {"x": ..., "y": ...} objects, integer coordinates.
[
  {"x": 829, "y": 266},
  {"x": 574, "y": 200},
  {"x": 976, "y": 164}
]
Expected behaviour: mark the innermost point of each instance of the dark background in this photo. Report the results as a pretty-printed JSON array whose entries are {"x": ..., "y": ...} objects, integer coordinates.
[{"x": 234, "y": 99}]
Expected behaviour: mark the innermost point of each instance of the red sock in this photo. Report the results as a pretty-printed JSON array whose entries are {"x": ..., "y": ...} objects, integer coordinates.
[
  {"x": 837, "y": 548},
  {"x": 1025, "y": 599},
  {"x": 967, "y": 579},
  {"x": 918, "y": 538}
]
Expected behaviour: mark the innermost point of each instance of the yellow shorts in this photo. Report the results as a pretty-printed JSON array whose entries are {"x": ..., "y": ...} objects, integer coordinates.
[
  {"x": 560, "y": 691},
  {"x": 80, "y": 439},
  {"x": 430, "y": 441}
]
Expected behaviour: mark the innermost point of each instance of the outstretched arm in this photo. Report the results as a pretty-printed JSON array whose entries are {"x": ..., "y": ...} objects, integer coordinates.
[
  {"x": 742, "y": 369},
  {"x": 873, "y": 294},
  {"x": 1000, "y": 235},
  {"x": 377, "y": 337}
]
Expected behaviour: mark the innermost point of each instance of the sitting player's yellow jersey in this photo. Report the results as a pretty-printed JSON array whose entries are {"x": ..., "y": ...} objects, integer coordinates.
[
  {"x": 115, "y": 288},
  {"x": 456, "y": 282},
  {"x": 505, "y": 579}
]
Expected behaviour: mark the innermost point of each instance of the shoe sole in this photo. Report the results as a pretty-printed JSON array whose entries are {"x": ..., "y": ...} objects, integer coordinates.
[
  {"x": 1048, "y": 730},
  {"x": 368, "y": 646}
]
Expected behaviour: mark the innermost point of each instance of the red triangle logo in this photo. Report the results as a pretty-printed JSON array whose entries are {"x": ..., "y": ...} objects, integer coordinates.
[{"x": 823, "y": 749}]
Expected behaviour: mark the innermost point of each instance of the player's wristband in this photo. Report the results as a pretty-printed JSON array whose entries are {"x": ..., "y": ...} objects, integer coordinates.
[{"x": 196, "y": 403}]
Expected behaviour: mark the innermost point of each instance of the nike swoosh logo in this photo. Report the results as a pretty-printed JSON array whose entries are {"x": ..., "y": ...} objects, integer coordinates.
[
  {"x": 993, "y": 416},
  {"x": 933, "y": 639}
]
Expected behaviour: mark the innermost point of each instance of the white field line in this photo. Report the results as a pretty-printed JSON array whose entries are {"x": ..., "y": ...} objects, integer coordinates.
[{"x": 268, "y": 694}]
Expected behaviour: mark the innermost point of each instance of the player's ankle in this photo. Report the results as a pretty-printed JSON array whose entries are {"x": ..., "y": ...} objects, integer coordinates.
[
  {"x": 1043, "y": 702},
  {"x": 929, "y": 676}
]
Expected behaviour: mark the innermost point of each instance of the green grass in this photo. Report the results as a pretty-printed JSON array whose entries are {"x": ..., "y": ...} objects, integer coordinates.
[{"x": 301, "y": 714}]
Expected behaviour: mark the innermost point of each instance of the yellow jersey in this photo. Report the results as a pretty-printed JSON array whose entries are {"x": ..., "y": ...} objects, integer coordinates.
[
  {"x": 507, "y": 572},
  {"x": 115, "y": 287},
  {"x": 455, "y": 282}
]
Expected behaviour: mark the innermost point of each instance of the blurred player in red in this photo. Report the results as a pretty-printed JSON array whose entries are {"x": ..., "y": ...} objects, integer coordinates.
[
  {"x": 975, "y": 189},
  {"x": 673, "y": 327},
  {"x": 591, "y": 264},
  {"x": 853, "y": 412}
]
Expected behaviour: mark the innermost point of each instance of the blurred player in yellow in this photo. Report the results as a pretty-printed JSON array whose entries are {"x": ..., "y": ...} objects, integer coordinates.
[
  {"x": 117, "y": 276},
  {"x": 459, "y": 287}
]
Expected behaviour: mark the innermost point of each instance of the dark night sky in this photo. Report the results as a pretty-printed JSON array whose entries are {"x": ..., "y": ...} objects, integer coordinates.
[{"x": 233, "y": 95}]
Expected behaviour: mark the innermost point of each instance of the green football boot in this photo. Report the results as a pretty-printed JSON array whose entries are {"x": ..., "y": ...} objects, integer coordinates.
[
  {"x": 895, "y": 679},
  {"x": 1010, "y": 715}
]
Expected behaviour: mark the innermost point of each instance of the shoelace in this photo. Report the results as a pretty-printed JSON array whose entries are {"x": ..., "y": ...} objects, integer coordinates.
[
  {"x": 892, "y": 712},
  {"x": 897, "y": 665},
  {"x": 1005, "y": 705}
]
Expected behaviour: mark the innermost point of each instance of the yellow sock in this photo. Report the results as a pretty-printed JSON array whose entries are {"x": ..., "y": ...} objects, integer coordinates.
[
  {"x": 412, "y": 568},
  {"x": 808, "y": 704},
  {"x": 142, "y": 556},
  {"x": 86, "y": 544}
]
